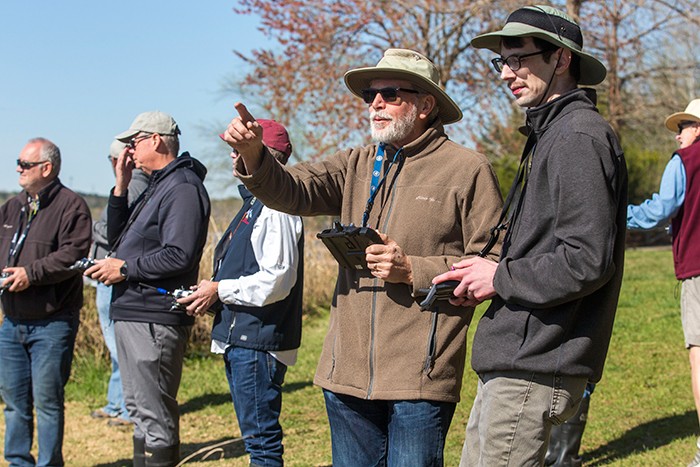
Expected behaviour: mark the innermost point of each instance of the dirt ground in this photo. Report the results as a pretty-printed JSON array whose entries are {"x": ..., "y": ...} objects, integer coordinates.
[{"x": 90, "y": 442}]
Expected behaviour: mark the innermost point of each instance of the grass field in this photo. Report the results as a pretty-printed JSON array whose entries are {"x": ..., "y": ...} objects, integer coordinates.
[{"x": 642, "y": 412}]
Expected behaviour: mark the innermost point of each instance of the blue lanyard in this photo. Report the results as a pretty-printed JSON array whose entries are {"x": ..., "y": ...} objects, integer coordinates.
[{"x": 376, "y": 181}]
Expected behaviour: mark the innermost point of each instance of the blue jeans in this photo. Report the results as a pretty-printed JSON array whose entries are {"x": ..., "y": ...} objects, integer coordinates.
[
  {"x": 387, "y": 433},
  {"x": 34, "y": 369},
  {"x": 115, "y": 397},
  {"x": 255, "y": 379}
]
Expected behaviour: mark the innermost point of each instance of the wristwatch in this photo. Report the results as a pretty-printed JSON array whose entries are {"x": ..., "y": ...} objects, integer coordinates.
[{"x": 123, "y": 270}]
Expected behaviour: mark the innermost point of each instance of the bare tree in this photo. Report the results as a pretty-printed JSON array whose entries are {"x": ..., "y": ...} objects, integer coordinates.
[{"x": 300, "y": 81}]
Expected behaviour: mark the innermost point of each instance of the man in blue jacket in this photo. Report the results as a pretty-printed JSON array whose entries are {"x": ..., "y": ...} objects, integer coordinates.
[
  {"x": 678, "y": 200},
  {"x": 156, "y": 243},
  {"x": 259, "y": 277}
]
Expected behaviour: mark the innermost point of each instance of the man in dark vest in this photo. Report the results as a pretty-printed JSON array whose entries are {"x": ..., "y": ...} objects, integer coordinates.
[
  {"x": 678, "y": 200},
  {"x": 258, "y": 275}
]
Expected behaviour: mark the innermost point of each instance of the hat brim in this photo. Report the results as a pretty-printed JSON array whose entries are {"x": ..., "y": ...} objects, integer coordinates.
[
  {"x": 359, "y": 79},
  {"x": 592, "y": 70},
  {"x": 673, "y": 120},
  {"x": 125, "y": 136}
]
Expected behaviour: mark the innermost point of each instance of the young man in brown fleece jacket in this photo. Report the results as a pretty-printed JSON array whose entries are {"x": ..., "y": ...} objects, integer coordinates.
[{"x": 391, "y": 373}]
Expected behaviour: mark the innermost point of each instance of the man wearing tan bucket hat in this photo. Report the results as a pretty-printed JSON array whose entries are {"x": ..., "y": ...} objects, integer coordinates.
[
  {"x": 678, "y": 200},
  {"x": 391, "y": 373},
  {"x": 554, "y": 291}
]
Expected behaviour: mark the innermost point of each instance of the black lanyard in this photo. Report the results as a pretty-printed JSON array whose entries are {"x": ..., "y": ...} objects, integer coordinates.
[
  {"x": 512, "y": 204},
  {"x": 17, "y": 238}
]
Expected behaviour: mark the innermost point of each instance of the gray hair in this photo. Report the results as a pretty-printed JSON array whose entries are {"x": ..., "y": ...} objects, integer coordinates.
[
  {"x": 172, "y": 143},
  {"x": 49, "y": 152}
]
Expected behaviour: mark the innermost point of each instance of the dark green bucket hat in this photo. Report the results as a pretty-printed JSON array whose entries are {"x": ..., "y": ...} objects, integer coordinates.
[{"x": 551, "y": 25}]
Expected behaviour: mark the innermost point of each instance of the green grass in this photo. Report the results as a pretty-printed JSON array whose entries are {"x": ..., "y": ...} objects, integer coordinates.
[{"x": 642, "y": 412}]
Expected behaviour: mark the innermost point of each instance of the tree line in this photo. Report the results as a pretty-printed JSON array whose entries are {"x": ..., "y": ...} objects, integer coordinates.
[{"x": 648, "y": 46}]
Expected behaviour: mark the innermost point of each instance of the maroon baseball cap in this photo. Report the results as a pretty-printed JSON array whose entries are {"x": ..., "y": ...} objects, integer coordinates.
[{"x": 275, "y": 136}]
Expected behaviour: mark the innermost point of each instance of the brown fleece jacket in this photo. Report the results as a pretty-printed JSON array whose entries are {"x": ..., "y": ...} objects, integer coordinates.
[{"x": 439, "y": 210}]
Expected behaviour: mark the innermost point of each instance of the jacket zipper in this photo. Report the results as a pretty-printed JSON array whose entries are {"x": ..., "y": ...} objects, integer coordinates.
[
  {"x": 432, "y": 343},
  {"x": 229, "y": 340},
  {"x": 374, "y": 300}
]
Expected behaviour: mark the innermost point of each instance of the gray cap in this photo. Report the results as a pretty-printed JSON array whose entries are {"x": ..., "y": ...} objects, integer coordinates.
[
  {"x": 116, "y": 148},
  {"x": 150, "y": 122}
]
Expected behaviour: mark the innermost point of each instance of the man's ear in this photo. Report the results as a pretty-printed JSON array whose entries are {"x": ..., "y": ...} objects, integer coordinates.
[
  {"x": 564, "y": 61},
  {"x": 46, "y": 169},
  {"x": 426, "y": 107}
]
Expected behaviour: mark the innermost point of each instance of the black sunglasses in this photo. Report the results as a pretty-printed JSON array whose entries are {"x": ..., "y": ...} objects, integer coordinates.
[
  {"x": 24, "y": 165},
  {"x": 135, "y": 140},
  {"x": 685, "y": 124},
  {"x": 388, "y": 94},
  {"x": 513, "y": 61}
]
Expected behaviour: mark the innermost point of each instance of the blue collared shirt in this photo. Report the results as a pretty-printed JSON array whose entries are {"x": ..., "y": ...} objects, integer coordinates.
[{"x": 663, "y": 205}]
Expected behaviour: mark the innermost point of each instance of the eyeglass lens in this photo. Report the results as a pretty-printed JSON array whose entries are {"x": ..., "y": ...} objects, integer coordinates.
[
  {"x": 513, "y": 61},
  {"x": 388, "y": 94},
  {"x": 25, "y": 165},
  {"x": 683, "y": 125}
]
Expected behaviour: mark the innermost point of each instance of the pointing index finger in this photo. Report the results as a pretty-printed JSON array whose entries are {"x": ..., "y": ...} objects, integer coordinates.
[{"x": 243, "y": 113}]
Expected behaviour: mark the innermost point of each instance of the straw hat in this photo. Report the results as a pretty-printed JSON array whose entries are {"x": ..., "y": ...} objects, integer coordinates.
[{"x": 691, "y": 114}]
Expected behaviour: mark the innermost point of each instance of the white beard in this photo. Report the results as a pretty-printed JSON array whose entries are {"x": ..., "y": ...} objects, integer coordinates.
[{"x": 394, "y": 130}]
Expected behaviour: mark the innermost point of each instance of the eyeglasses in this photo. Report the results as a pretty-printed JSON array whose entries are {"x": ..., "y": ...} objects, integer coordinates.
[
  {"x": 685, "y": 124},
  {"x": 25, "y": 165},
  {"x": 513, "y": 61},
  {"x": 135, "y": 140},
  {"x": 388, "y": 94}
]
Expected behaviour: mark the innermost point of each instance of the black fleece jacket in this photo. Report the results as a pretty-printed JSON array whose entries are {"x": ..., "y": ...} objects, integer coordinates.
[
  {"x": 162, "y": 242},
  {"x": 560, "y": 271},
  {"x": 58, "y": 236}
]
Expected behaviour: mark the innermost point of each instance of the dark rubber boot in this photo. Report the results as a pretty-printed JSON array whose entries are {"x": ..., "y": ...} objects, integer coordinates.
[
  {"x": 139, "y": 452},
  {"x": 163, "y": 457},
  {"x": 565, "y": 439}
]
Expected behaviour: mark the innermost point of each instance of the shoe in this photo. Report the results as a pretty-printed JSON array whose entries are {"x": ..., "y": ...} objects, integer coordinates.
[
  {"x": 118, "y": 421},
  {"x": 696, "y": 460},
  {"x": 100, "y": 413}
]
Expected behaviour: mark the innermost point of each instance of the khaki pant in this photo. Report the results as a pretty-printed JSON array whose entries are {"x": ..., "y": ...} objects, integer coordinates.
[
  {"x": 513, "y": 414},
  {"x": 690, "y": 311}
]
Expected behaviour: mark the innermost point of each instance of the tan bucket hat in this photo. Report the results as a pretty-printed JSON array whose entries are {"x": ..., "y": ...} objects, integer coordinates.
[
  {"x": 551, "y": 25},
  {"x": 410, "y": 66},
  {"x": 691, "y": 114}
]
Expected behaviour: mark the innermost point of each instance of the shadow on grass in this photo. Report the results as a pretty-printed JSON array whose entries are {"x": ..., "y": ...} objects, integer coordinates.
[
  {"x": 119, "y": 463},
  {"x": 207, "y": 400},
  {"x": 291, "y": 387},
  {"x": 646, "y": 437},
  {"x": 198, "y": 403},
  {"x": 223, "y": 448}
]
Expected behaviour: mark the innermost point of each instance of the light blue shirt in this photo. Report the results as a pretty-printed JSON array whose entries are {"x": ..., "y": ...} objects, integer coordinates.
[{"x": 663, "y": 205}]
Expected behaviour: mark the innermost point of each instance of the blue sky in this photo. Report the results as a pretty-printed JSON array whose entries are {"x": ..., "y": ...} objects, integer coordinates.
[{"x": 78, "y": 72}]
